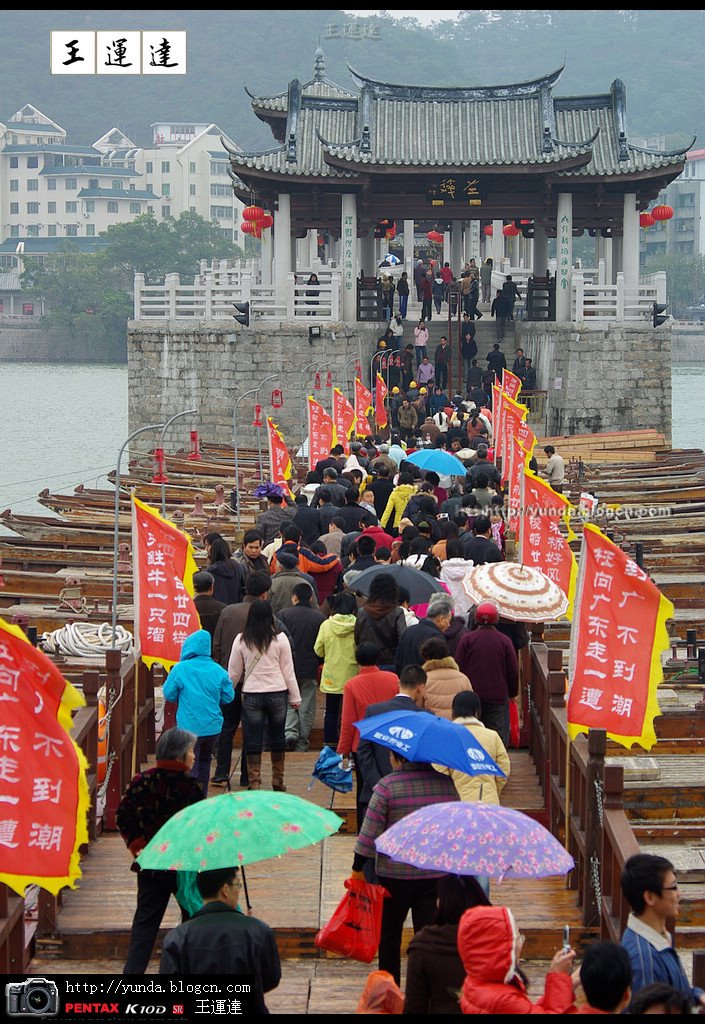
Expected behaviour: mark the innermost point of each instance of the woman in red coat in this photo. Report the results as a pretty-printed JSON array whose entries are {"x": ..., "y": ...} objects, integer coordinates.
[{"x": 489, "y": 945}]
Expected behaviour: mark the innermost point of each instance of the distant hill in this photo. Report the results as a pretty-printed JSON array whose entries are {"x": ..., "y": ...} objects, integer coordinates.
[{"x": 657, "y": 53}]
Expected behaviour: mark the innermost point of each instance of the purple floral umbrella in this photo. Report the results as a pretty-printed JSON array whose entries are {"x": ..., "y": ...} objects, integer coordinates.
[{"x": 475, "y": 839}]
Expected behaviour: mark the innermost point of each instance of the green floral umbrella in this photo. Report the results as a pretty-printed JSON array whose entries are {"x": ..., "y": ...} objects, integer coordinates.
[{"x": 236, "y": 829}]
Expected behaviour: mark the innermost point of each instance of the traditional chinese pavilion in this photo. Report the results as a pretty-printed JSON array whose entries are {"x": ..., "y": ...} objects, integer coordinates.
[{"x": 463, "y": 157}]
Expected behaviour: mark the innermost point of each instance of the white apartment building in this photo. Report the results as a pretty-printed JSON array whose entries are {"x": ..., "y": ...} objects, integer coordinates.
[
  {"x": 51, "y": 190},
  {"x": 684, "y": 233}
]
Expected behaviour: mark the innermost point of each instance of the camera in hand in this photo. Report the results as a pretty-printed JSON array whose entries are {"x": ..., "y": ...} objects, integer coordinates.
[{"x": 34, "y": 997}]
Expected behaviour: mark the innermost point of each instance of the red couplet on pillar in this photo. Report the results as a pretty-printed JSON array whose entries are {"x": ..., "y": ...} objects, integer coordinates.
[
  {"x": 257, "y": 421},
  {"x": 160, "y": 476},
  {"x": 277, "y": 399},
  {"x": 195, "y": 452}
]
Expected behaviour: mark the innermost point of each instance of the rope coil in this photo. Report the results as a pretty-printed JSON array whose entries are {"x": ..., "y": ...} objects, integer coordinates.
[{"x": 86, "y": 639}]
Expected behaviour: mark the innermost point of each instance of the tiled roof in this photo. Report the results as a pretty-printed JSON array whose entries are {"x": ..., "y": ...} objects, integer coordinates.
[
  {"x": 93, "y": 169},
  {"x": 55, "y": 147},
  {"x": 116, "y": 193}
]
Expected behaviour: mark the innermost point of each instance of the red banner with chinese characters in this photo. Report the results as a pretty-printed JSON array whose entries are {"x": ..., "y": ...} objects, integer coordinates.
[
  {"x": 618, "y": 636},
  {"x": 526, "y": 437},
  {"x": 343, "y": 418},
  {"x": 43, "y": 789},
  {"x": 513, "y": 414},
  {"x": 321, "y": 432},
  {"x": 381, "y": 393},
  {"x": 279, "y": 457},
  {"x": 162, "y": 567},
  {"x": 511, "y": 384},
  {"x": 542, "y": 543},
  {"x": 363, "y": 404},
  {"x": 498, "y": 397},
  {"x": 518, "y": 459}
]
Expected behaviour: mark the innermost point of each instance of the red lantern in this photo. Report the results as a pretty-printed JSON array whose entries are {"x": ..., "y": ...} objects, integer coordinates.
[
  {"x": 646, "y": 220},
  {"x": 195, "y": 453},
  {"x": 662, "y": 212},
  {"x": 248, "y": 227},
  {"x": 255, "y": 213},
  {"x": 511, "y": 231},
  {"x": 434, "y": 236},
  {"x": 257, "y": 232},
  {"x": 488, "y": 230},
  {"x": 160, "y": 476},
  {"x": 266, "y": 221},
  {"x": 317, "y": 381},
  {"x": 257, "y": 421},
  {"x": 277, "y": 399},
  {"x": 329, "y": 379}
]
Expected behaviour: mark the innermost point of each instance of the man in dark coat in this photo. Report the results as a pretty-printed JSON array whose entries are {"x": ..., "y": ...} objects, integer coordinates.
[
  {"x": 438, "y": 616},
  {"x": 308, "y": 520},
  {"x": 511, "y": 294},
  {"x": 496, "y": 361},
  {"x": 278, "y": 512},
  {"x": 303, "y": 620},
  {"x": 220, "y": 939},
  {"x": 382, "y": 487},
  {"x": 491, "y": 658},
  {"x": 206, "y": 605},
  {"x": 479, "y": 546}
]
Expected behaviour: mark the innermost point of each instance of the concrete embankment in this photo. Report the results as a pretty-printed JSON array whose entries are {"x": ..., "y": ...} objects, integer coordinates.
[{"x": 29, "y": 342}]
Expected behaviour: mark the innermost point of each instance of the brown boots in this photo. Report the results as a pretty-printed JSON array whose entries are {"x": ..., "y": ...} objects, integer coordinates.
[
  {"x": 254, "y": 771},
  {"x": 278, "y": 772}
]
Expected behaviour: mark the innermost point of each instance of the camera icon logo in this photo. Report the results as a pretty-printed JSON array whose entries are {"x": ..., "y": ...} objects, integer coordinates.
[{"x": 33, "y": 997}]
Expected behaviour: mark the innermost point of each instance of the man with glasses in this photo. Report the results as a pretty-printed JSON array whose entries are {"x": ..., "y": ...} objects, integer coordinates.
[
  {"x": 650, "y": 887},
  {"x": 220, "y": 939}
]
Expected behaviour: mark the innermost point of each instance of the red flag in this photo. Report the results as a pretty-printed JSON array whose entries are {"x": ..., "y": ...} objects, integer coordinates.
[
  {"x": 511, "y": 384},
  {"x": 618, "y": 635},
  {"x": 381, "y": 393},
  {"x": 363, "y": 404},
  {"x": 279, "y": 457},
  {"x": 321, "y": 432},
  {"x": 512, "y": 415},
  {"x": 43, "y": 790},
  {"x": 542, "y": 543},
  {"x": 163, "y": 568},
  {"x": 343, "y": 418}
]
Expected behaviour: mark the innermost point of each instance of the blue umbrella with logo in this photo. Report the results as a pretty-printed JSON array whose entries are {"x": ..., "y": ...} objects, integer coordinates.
[
  {"x": 420, "y": 736},
  {"x": 436, "y": 459}
]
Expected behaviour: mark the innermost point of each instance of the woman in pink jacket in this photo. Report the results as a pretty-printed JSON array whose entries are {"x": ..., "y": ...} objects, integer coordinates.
[
  {"x": 262, "y": 659},
  {"x": 489, "y": 944}
]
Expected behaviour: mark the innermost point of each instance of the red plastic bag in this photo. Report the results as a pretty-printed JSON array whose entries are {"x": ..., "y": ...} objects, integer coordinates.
[
  {"x": 355, "y": 927},
  {"x": 513, "y": 724},
  {"x": 381, "y": 995}
]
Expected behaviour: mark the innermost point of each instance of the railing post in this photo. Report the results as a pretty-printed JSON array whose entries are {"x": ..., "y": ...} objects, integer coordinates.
[
  {"x": 208, "y": 285},
  {"x": 138, "y": 289},
  {"x": 171, "y": 282},
  {"x": 578, "y": 295},
  {"x": 594, "y": 782},
  {"x": 699, "y": 968},
  {"x": 335, "y": 286},
  {"x": 601, "y": 272},
  {"x": 620, "y": 296},
  {"x": 661, "y": 285},
  {"x": 557, "y": 812},
  {"x": 290, "y": 296},
  {"x": 113, "y": 662}
]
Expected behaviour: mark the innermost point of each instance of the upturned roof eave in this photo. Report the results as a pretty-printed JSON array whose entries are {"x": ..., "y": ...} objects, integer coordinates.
[
  {"x": 433, "y": 91},
  {"x": 580, "y": 160}
]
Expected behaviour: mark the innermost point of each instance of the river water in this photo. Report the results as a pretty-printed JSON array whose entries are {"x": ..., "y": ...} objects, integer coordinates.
[{"x": 61, "y": 425}]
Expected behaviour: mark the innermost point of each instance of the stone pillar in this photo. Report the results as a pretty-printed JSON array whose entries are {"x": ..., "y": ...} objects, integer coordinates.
[
  {"x": 366, "y": 251},
  {"x": 349, "y": 255},
  {"x": 283, "y": 264},
  {"x": 540, "y": 261},
  {"x": 609, "y": 260},
  {"x": 266, "y": 258},
  {"x": 456, "y": 248},
  {"x": 497, "y": 243},
  {"x": 446, "y": 248},
  {"x": 312, "y": 237},
  {"x": 475, "y": 249},
  {"x": 409, "y": 249},
  {"x": 630, "y": 244},
  {"x": 564, "y": 249}
]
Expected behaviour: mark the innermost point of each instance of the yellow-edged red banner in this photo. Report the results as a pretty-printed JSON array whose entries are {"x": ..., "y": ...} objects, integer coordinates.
[
  {"x": 321, "y": 432},
  {"x": 363, "y": 405},
  {"x": 43, "y": 790},
  {"x": 518, "y": 461},
  {"x": 343, "y": 418},
  {"x": 542, "y": 543},
  {"x": 381, "y": 392},
  {"x": 279, "y": 457},
  {"x": 513, "y": 414},
  {"x": 162, "y": 566},
  {"x": 511, "y": 384},
  {"x": 618, "y": 636}
]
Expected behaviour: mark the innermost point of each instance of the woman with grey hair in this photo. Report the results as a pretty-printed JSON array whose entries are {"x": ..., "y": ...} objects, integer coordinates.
[{"x": 152, "y": 798}]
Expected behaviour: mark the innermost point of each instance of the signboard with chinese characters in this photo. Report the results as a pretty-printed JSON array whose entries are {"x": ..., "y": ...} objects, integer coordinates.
[
  {"x": 163, "y": 566},
  {"x": 43, "y": 790},
  {"x": 618, "y": 635},
  {"x": 455, "y": 189},
  {"x": 118, "y": 53}
]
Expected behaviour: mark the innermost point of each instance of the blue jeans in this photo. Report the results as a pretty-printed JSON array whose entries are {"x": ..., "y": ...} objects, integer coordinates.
[
  {"x": 421, "y": 354},
  {"x": 403, "y": 303},
  {"x": 258, "y": 708},
  {"x": 203, "y": 749}
]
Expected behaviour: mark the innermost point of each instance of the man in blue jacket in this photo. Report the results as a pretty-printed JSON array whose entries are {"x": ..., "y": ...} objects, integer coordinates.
[
  {"x": 199, "y": 685},
  {"x": 650, "y": 887}
]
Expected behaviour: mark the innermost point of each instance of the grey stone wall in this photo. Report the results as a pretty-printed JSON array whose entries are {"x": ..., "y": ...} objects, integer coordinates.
[
  {"x": 602, "y": 377},
  {"x": 688, "y": 342},
  {"x": 174, "y": 366}
]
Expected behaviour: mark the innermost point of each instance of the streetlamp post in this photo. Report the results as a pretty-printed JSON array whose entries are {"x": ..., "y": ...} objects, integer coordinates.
[
  {"x": 189, "y": 412},
  {"x": 150, "y": 426},
  {"x": 266, "y": 380},
  {"x": 304, "y": 397},
  {"x": 252, "y": 391}
]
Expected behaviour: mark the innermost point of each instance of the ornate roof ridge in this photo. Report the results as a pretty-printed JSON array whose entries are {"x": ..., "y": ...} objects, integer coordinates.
[
  {"x": 585, "y": 144},
  {"x": 245, "y": 155},
  {"x": 662, "y": 152},
  {"x": 431, "y": 92}
]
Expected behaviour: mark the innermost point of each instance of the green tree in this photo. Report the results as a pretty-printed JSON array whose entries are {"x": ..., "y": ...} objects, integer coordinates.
[{"x": 685, "y": 276}]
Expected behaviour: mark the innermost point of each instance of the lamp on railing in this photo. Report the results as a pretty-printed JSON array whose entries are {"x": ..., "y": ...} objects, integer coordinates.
[
  {"x": 329, "y": 379},
  {"x": 277, "y": 398},
  {"x": 317, "y": 381},
  {"x": 258, "y": 421},
  {"x": 195, "y": 452},
  {"x": 160, "y": 476}
]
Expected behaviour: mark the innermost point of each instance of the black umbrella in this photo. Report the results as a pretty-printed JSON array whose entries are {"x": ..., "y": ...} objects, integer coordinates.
[{"x": 419, "y": 584}]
